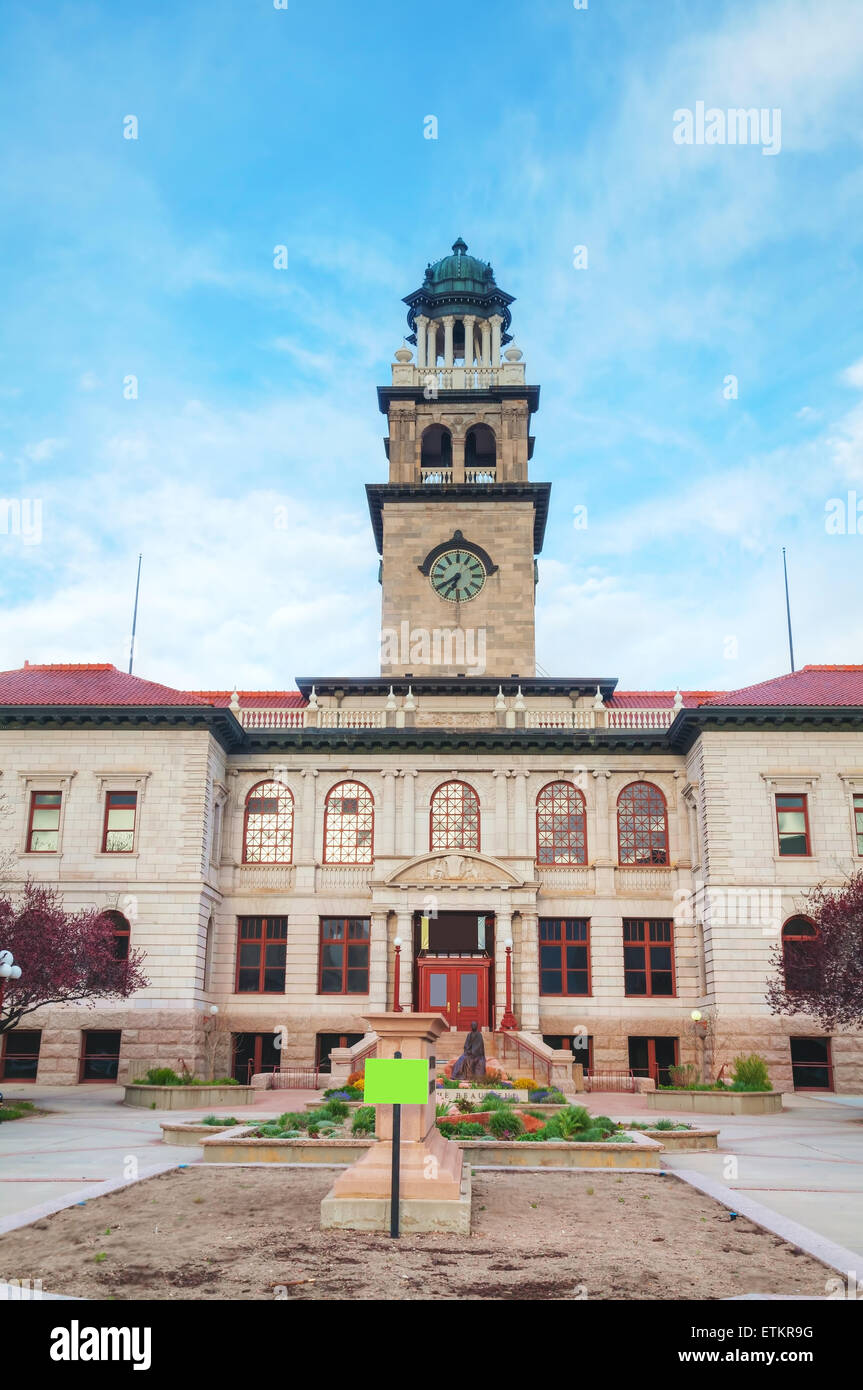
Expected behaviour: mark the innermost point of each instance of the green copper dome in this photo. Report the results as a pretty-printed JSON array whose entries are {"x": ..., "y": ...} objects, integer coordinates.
[
  {"x": 460, "y": 272},
  {"x": 459, "y": 284}
]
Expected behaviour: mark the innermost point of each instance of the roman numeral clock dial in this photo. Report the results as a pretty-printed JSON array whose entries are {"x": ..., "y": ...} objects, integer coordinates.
[{"x": 457, "y": 575}]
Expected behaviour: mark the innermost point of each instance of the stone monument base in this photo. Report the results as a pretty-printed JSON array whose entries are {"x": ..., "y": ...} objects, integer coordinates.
[{"x": 416, "y": 1214}]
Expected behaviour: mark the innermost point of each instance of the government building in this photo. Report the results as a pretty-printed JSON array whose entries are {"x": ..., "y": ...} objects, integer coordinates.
[{"x": 574, "y": 867}]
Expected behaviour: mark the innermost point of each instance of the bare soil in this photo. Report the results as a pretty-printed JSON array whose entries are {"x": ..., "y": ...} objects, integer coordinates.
[{"x": 219, "y": 1233}]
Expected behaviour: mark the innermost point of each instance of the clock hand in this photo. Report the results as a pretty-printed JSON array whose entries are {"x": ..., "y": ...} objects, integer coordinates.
[{"x": 456, "y": 580}]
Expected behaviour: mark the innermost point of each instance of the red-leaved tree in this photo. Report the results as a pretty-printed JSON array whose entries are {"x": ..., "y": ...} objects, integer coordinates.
[
  {"x": 65, "y": 957},
  {"x": 823, "y": 976}
]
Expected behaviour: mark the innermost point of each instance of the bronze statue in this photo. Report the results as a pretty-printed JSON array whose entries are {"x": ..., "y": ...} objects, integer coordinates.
[{"x": 471, "y": 1063}]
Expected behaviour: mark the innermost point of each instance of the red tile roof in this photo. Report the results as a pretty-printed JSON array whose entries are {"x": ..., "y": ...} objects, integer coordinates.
[
  {"x": 659, "y": 699},
  {"x": 98, "y": 684},
  {"x": 812, "y": 685},
  {"x": 256, "y": 699}
]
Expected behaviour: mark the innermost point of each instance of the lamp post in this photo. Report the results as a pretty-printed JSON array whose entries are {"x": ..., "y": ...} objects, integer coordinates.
[
  {"x": 397, "y": 976},
  {"x": 700, "y": 1029},
  {"x": 8, "y": 971},
  {"x": 508, "y": 1020}
]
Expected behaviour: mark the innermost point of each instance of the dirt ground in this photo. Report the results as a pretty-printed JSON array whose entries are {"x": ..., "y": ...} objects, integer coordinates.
[{"x": 205, "y": 1233}]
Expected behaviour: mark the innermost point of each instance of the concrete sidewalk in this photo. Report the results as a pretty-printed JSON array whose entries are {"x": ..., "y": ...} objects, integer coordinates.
[{"x": 90, "y": 1138}]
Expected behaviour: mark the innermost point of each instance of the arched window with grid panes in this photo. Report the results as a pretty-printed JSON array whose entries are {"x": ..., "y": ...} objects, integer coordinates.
[
  {"x": 642, "y": 825},
  {"x": 349, "y": 824},
  {"x": 561, "y": 829},
  {"x": 454, "y": 817},
  {"x": 268, "y": 829}
]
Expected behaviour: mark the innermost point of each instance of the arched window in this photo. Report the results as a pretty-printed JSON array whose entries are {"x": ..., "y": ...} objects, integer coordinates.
[
  {"x": 349, "y": 824},
  {"x": 122, "y": 932},
  {"x": 799, "y": 945},
  {"x": 642, "y": 825},
  {"x": 561, "y": 831},
  {"x": 479, "y": 455},
  {"x": 436, "y": 455},
  {"x": 268, "y": 833},
  {"x": 454, "y": 817}
]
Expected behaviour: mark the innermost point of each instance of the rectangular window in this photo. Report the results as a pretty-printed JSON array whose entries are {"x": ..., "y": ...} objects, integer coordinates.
[
  {"x": 43, "y": 832},
  {"x": 21, "y": 1054},
  {"x": 119, "y": 832},
  {"x": 858, "y": 822},
  {"x": 648, "y": 956},
  {"x": 261, "y": 955},
  {"x": 344, "y": 955},
  {"x": 792, "y": 820},
  {"x": 564, "y": 955}
]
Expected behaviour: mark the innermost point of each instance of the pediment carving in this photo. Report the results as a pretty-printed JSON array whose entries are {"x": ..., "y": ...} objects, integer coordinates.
[{"x": 454, "y": 866}]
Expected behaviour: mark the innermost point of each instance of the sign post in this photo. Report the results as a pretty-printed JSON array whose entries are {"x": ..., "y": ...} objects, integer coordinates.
[{"x": 396, "y": 1081}]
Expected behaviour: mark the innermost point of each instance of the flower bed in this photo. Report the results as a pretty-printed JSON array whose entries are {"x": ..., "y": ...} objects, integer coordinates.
[
  {"x": 186, "y": 1097},
  {"x": 191, "y": 1133},
  {"x": 246, "y": 1146},
  {"x": 714, "y": 1102}
]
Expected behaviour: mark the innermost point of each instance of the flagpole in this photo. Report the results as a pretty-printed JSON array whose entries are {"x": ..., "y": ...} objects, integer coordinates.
[
  {"x": 135, "y": 617},
  {"x": 788, "y": 609}
]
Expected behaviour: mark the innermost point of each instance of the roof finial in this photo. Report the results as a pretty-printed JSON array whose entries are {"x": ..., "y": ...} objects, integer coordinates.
[{"x": 459, "y": 246}]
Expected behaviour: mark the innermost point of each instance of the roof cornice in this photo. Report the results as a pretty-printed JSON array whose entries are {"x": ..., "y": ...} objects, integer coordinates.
[
  {"x": 217, "y": 720},
  {"x": 536, "y": 493}
]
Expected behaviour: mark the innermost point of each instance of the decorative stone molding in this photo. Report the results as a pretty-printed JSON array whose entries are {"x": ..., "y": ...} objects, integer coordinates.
[{"x": 459, "y": 866}]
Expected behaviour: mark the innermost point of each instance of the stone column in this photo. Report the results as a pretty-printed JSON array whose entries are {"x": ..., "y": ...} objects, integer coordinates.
[
  {"x": 486, "y": 342},
  {"x": 448, "y": 323},
  {"x": 404, "y": 930},
  {"x": 496, "y": 322},
  {"x": 378, "y": 964},
  {"x": 458, "y": 442},
  {"x": 422, "y": 326},
  {"x": 521, "y": 843},
  {"x": 387, "y": 832},
  {"x": 603, "y": 831},
  {"x": 408, "y": 839},
  {"x": 528, "y": 1011},
  {"x": 500, "y": 843},
  {"x": 468, "y": 321},
  {"x": 502, "y": 933},
  {"x": 307, "y": 839},
  {"x": 432, "y": 343}
]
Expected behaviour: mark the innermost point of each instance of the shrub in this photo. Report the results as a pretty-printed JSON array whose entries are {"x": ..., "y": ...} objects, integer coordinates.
[
  {"x": 465, "y": 1106},
  {"x": 448, "y": 1131},
  {"x": 603, "y": 1122},
  {"x": 505, "y": 1124},
  {"x": 270, "y": 1132},
  {"x": 620, "y": 1137},
  {"x": 160, "y": 1076},
  {"x": 542, "y": 1096},
  {"x": 357, "y": 1079},
  {"x": 524, "y": 1083},
  {"x": 469, "y": 1131},
  {"x": 588, "y": 1136},
  {"x": 492, "y": 1101},
  {"x": 337, "y": 1109},
  {"x": 537, "y": 1137},
  {"x": 292, "y": 1119},
  {"x": 344, "y": 1093},
  {"x": 750, "y": 1074},
  {"x": 219, "y": 1081},
  {"x": 221, "y": 1120},
  {"x": 665, "y": 1124},
  {"x": 683, "y": 1077},
  {"x": 364, "y": 1120}
]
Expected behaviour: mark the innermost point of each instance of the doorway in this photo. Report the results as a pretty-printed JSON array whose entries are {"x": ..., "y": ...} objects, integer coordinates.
[
  {"x": 254, "y": 1053},
  {"x": 456, "y": 989},
  {"x": 653, "y": 1057}
]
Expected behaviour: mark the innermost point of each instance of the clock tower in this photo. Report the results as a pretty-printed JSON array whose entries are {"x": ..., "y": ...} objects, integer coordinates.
[{"x": 458, "y": 525}]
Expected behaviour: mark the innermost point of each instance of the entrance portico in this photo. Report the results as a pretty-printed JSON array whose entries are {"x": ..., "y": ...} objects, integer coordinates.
[{"x": 454, "y": 912}]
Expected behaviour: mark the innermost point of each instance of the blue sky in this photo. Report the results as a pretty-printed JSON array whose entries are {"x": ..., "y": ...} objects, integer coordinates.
[{"x": 258, "y": 127}]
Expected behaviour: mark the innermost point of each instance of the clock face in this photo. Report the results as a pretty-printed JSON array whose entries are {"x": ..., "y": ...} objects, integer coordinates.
[{"x": 457, "y": 575}]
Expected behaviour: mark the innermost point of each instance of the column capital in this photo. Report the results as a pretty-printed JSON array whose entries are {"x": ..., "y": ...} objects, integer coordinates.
[
  {"x": 447, "y": 318},
  {"x": 309, "y": 772}
]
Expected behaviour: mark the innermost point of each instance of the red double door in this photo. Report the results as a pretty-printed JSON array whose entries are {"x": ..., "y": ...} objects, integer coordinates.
[{"x": 457, "y": 989}]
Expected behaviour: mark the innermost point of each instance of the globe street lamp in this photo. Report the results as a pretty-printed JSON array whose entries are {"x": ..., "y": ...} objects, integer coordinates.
[
  {"x": 8, "y": 971},
  {"x": 397, "y": 976}
]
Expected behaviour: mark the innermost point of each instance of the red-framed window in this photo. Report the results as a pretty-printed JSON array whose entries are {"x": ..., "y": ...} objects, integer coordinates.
[
  {"x": 454, "y": 817},
  {"x": 648, "y": 956},
  {"x": 118, "y": 834},
  {"x": 343, "y": 961},
  {"x": 642, "y": 825},
  {"x": 858, "y": 822},
  {"x": 43, "y": 827},
  {"x": 580, "y": 1044},
  {"x": 268, "y": 827},
  {"x": 561, "y": 825},
  {"x": 122, "y": 933},
  {"x": 261, "y": 955},
  {"x": 799, "y": 947},
  {"x": 20, "y": 1059},
  {"x": 564, "y": 955},
  {"x": 792, "y": 825},
  {"x": 349, "y": 824}
]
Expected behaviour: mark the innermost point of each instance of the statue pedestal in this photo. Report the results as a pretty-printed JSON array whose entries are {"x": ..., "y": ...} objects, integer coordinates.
[{"x": 434, "y": 1180}]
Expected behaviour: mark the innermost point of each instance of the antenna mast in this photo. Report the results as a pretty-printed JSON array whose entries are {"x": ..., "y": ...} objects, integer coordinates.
[
  {"x": 135, "y": 617},
  {"x": 788, "y": 609}
]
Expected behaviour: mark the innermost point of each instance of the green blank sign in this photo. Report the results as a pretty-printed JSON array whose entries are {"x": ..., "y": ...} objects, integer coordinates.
[{"x": 396, "y": 1081}]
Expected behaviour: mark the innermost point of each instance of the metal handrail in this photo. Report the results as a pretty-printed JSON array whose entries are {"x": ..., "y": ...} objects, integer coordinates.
[{"x": 532, "y": 1052}]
